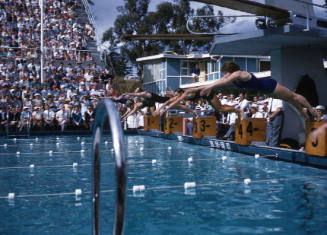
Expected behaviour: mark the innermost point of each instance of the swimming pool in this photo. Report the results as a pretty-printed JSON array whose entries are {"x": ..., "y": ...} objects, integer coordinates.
[{"x": 281, "y": 197}]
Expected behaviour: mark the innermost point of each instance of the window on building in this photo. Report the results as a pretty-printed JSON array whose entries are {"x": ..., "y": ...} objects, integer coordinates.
[
  {"x": 264, "y": 66},
  {"x": 152, "y": 71},
  {"x": 184, "y": 68},
  {"x": 214, "y": 67},
  {"x": 187, "y": 66},
  {"x": 147, "y": 72}
]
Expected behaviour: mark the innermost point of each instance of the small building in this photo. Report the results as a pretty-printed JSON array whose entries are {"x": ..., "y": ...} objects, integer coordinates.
[{"x": 170, "y": 71}]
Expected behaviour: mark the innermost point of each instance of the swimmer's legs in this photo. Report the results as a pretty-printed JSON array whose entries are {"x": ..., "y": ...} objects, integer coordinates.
[{"x": 297, "y": 100}]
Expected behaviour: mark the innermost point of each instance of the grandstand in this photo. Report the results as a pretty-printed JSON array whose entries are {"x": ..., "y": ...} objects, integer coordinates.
[{"x": 73, "y": 73}]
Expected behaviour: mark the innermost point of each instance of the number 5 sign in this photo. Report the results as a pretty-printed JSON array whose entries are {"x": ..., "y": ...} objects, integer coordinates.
[{"x": 316, "y": 148}]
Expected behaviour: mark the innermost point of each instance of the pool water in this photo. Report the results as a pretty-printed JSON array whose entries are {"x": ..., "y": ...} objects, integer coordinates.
[{"x": 281, "y": 198}]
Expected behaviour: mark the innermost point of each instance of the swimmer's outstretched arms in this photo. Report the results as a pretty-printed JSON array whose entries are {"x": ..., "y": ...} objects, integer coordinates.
[{"x": 195, "y": 94}]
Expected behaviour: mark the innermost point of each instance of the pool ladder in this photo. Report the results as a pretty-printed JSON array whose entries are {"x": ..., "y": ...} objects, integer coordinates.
[{"x": 107, "y": 108}]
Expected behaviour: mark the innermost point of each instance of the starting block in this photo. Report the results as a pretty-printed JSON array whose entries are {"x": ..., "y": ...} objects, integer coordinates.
[
  {"x": 151, "y": 123},
  {"x": 204, "y": 126},
  {"x": 250, "y": 129},
  {"x": 173, "y": 124},
  {"x": 319, "y": 147}
]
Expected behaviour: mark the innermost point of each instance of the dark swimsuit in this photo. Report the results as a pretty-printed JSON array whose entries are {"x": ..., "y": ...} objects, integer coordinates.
[
  {"x": 122, "y": 100},
  {"x": 264, "y": 85},
  {"x": 198, "y": 96},
  {"x": 150, "y": 102},
  {"x": 158, "y": 98}
]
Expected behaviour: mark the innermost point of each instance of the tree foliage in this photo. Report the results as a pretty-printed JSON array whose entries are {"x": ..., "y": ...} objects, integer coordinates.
[{"x": 169, "y": 18}]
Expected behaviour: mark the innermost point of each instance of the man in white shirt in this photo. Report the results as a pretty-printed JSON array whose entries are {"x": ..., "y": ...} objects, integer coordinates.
[
  {"x": 231, "y": 120},
  {"x": 254, "y": 113},
  {"x": 274, "y": 121},
  {"x": 37, "y": 118},
  {"x": 321, "y": 113},
  {"x": 243, "y": 102},
  {"x": 25, "y": 119},
  {"x": 62, "y": 117},
  {"x": 48, "y": 117}
]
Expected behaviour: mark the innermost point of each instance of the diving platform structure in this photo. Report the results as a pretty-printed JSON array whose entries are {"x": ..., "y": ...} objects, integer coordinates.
[{"x": 294, "y": 35}]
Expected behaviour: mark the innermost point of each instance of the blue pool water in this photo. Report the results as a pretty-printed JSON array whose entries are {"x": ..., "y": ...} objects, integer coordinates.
[{"x": 282, "y": 198}]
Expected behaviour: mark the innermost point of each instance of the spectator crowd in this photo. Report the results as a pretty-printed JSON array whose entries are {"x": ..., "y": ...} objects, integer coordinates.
[{"x": 73, "y": 82}]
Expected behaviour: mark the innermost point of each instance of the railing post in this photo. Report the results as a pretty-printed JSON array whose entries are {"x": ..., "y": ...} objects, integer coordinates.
[{"x": 104, "y": 109}]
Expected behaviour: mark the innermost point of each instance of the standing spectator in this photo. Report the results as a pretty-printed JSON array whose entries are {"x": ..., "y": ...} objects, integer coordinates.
[
  {"x": 265, "y": 110},
  {"x": 275, "y": 121},
  {"x": 243, "y": 102},
  {"x": 321, "y": 113},
  {"x": 254, "y": 113},
  {"x": 84, "y": 104},
  {"x": 231, "y": 120}
]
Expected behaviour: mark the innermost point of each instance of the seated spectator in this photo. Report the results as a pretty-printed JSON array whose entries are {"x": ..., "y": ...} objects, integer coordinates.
[
  {"x": 27, "y": 102},
  {"x": 25, "y": 119},
  {"x": 48, "y": 118},
  {"x": 74, "y": 101},
  {"x": 17, "y": 102},
  {"x": 50, "y": 102},
  {"x": 321, "y": 113},
  {"x": 3, "y": 119},
  {"x": 37, "y": 101},
  {"x": 89, "y": 117},
  {"x": 14, "y": 118},
  {"x": 37, "y": 118},
  {"x": 62, "y": 118},
  {"x": 77, "y": 120}
]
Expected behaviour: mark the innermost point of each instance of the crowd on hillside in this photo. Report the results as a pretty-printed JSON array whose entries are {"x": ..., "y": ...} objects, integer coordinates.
[
  {"x": 73, "y": 82},
  {"x": 64, "y": 37}
]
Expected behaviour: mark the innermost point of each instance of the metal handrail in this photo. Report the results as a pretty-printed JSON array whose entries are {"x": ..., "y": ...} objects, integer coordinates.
[
  {"x": 48, "y": 48},
  {"x": 191, "y": 18},
  {"x": 107, "y": 107},
  {"x": 91, "y": 18}
]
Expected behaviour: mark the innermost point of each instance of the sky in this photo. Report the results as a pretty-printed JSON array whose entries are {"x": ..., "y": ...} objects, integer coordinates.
[{"x": 105, "y": 12}]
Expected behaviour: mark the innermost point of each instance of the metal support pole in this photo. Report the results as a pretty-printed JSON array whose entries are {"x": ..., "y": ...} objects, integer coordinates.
[{"x": 42, "y": 38}]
